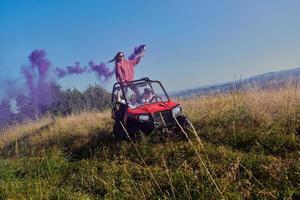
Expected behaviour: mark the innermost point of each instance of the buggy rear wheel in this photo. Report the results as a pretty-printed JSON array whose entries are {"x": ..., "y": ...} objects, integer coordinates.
[{"x": 119, "y": 132}]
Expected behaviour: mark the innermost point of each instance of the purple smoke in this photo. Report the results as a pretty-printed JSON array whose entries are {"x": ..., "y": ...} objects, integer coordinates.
[
  {"x": 5, "y": 112},
  {"x": 137, "y": 52},
  {"x": 76, "y": 69},
  {"x": 60, "y": 73},
  {"x": 38, "y": 60},
  {"x": 69, "y": 70},
  {"x": 11, "y": 88},
  {"x": 28, "y": 74},
  {"x": 101, "y": 70},
  {"x": 40, "y": 83},
  {"x": 37, "y": 80}
]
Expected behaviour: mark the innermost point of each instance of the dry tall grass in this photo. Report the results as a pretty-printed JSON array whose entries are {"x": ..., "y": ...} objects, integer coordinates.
[
  {"x": 250, "y": 149},
  {"x": 263, "y": 106}
]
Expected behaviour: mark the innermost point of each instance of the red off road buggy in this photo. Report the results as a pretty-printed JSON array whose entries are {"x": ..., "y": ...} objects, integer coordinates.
[{"x": 144, "y": 106}]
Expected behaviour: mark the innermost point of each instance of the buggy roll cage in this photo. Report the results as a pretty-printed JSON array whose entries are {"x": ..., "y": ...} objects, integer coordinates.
[{"x": 135, "y": 82}]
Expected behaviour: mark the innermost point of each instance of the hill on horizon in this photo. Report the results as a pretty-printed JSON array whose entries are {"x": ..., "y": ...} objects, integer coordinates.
[{"x": 268, "y": 80}]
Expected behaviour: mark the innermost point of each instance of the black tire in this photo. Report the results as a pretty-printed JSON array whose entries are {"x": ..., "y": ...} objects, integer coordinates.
[
  {"x": 184, "y": 123},
  {"x": 119, "y": 132},
  {"x": 133, "y": 130},
  {"x": 147, "y": 131}
]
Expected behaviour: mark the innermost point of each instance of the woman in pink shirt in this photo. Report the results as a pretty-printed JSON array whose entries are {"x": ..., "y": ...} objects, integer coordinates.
[{"x": 125, "y": 68}]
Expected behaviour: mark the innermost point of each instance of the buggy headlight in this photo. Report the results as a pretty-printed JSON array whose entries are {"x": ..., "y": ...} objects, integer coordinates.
[
  {"x": 144, "y": 117},
  {"x": 176, "y": 110}
]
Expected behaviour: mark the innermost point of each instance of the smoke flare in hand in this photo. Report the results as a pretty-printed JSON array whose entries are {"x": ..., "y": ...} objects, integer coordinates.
[{"x": 138, "y": 51}]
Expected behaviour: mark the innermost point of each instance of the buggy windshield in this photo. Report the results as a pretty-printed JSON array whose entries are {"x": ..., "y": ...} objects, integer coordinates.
[{"x": 142, "y": 93}]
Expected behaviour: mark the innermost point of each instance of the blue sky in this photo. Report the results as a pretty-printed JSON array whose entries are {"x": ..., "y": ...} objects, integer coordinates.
[{"x": 189, "y": 43}]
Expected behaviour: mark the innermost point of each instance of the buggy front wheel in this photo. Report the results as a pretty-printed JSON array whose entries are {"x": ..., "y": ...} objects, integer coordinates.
[{"x": 184, "y": 123}]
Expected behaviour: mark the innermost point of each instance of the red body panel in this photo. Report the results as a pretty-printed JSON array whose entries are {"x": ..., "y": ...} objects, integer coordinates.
[{"x": 153, "y": 108}]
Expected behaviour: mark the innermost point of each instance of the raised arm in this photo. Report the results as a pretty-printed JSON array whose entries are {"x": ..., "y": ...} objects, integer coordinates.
[
  {"x": 137, "y": 54},
  {"x": 137, "y": 59}
]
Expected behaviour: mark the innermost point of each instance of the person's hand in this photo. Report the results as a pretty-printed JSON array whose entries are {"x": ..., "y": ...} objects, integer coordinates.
[{"x": 142, "y": 54}]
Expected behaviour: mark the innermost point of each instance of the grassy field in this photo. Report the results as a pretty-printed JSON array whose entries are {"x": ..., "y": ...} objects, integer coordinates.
[{"x": 245, "y": 146}]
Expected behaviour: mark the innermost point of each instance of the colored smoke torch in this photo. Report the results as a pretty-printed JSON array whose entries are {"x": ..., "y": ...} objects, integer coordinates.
[{"x": 137, "y": 52}]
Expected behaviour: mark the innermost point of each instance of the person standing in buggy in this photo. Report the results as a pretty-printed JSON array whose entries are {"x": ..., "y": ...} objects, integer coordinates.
[{"x": 125, "y": 68}]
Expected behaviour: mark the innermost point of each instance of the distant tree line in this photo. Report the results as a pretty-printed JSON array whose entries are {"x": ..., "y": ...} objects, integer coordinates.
[{"x": 64, "y": 102}]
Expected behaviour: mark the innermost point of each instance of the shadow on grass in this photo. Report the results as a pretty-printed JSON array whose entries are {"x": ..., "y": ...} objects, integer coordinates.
[
  {"x": 86, "y": 147},
  {"x": 13, "y": 148},
  {"x": 93, "y": 144},
  {"x": 79, "y": 146}
]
